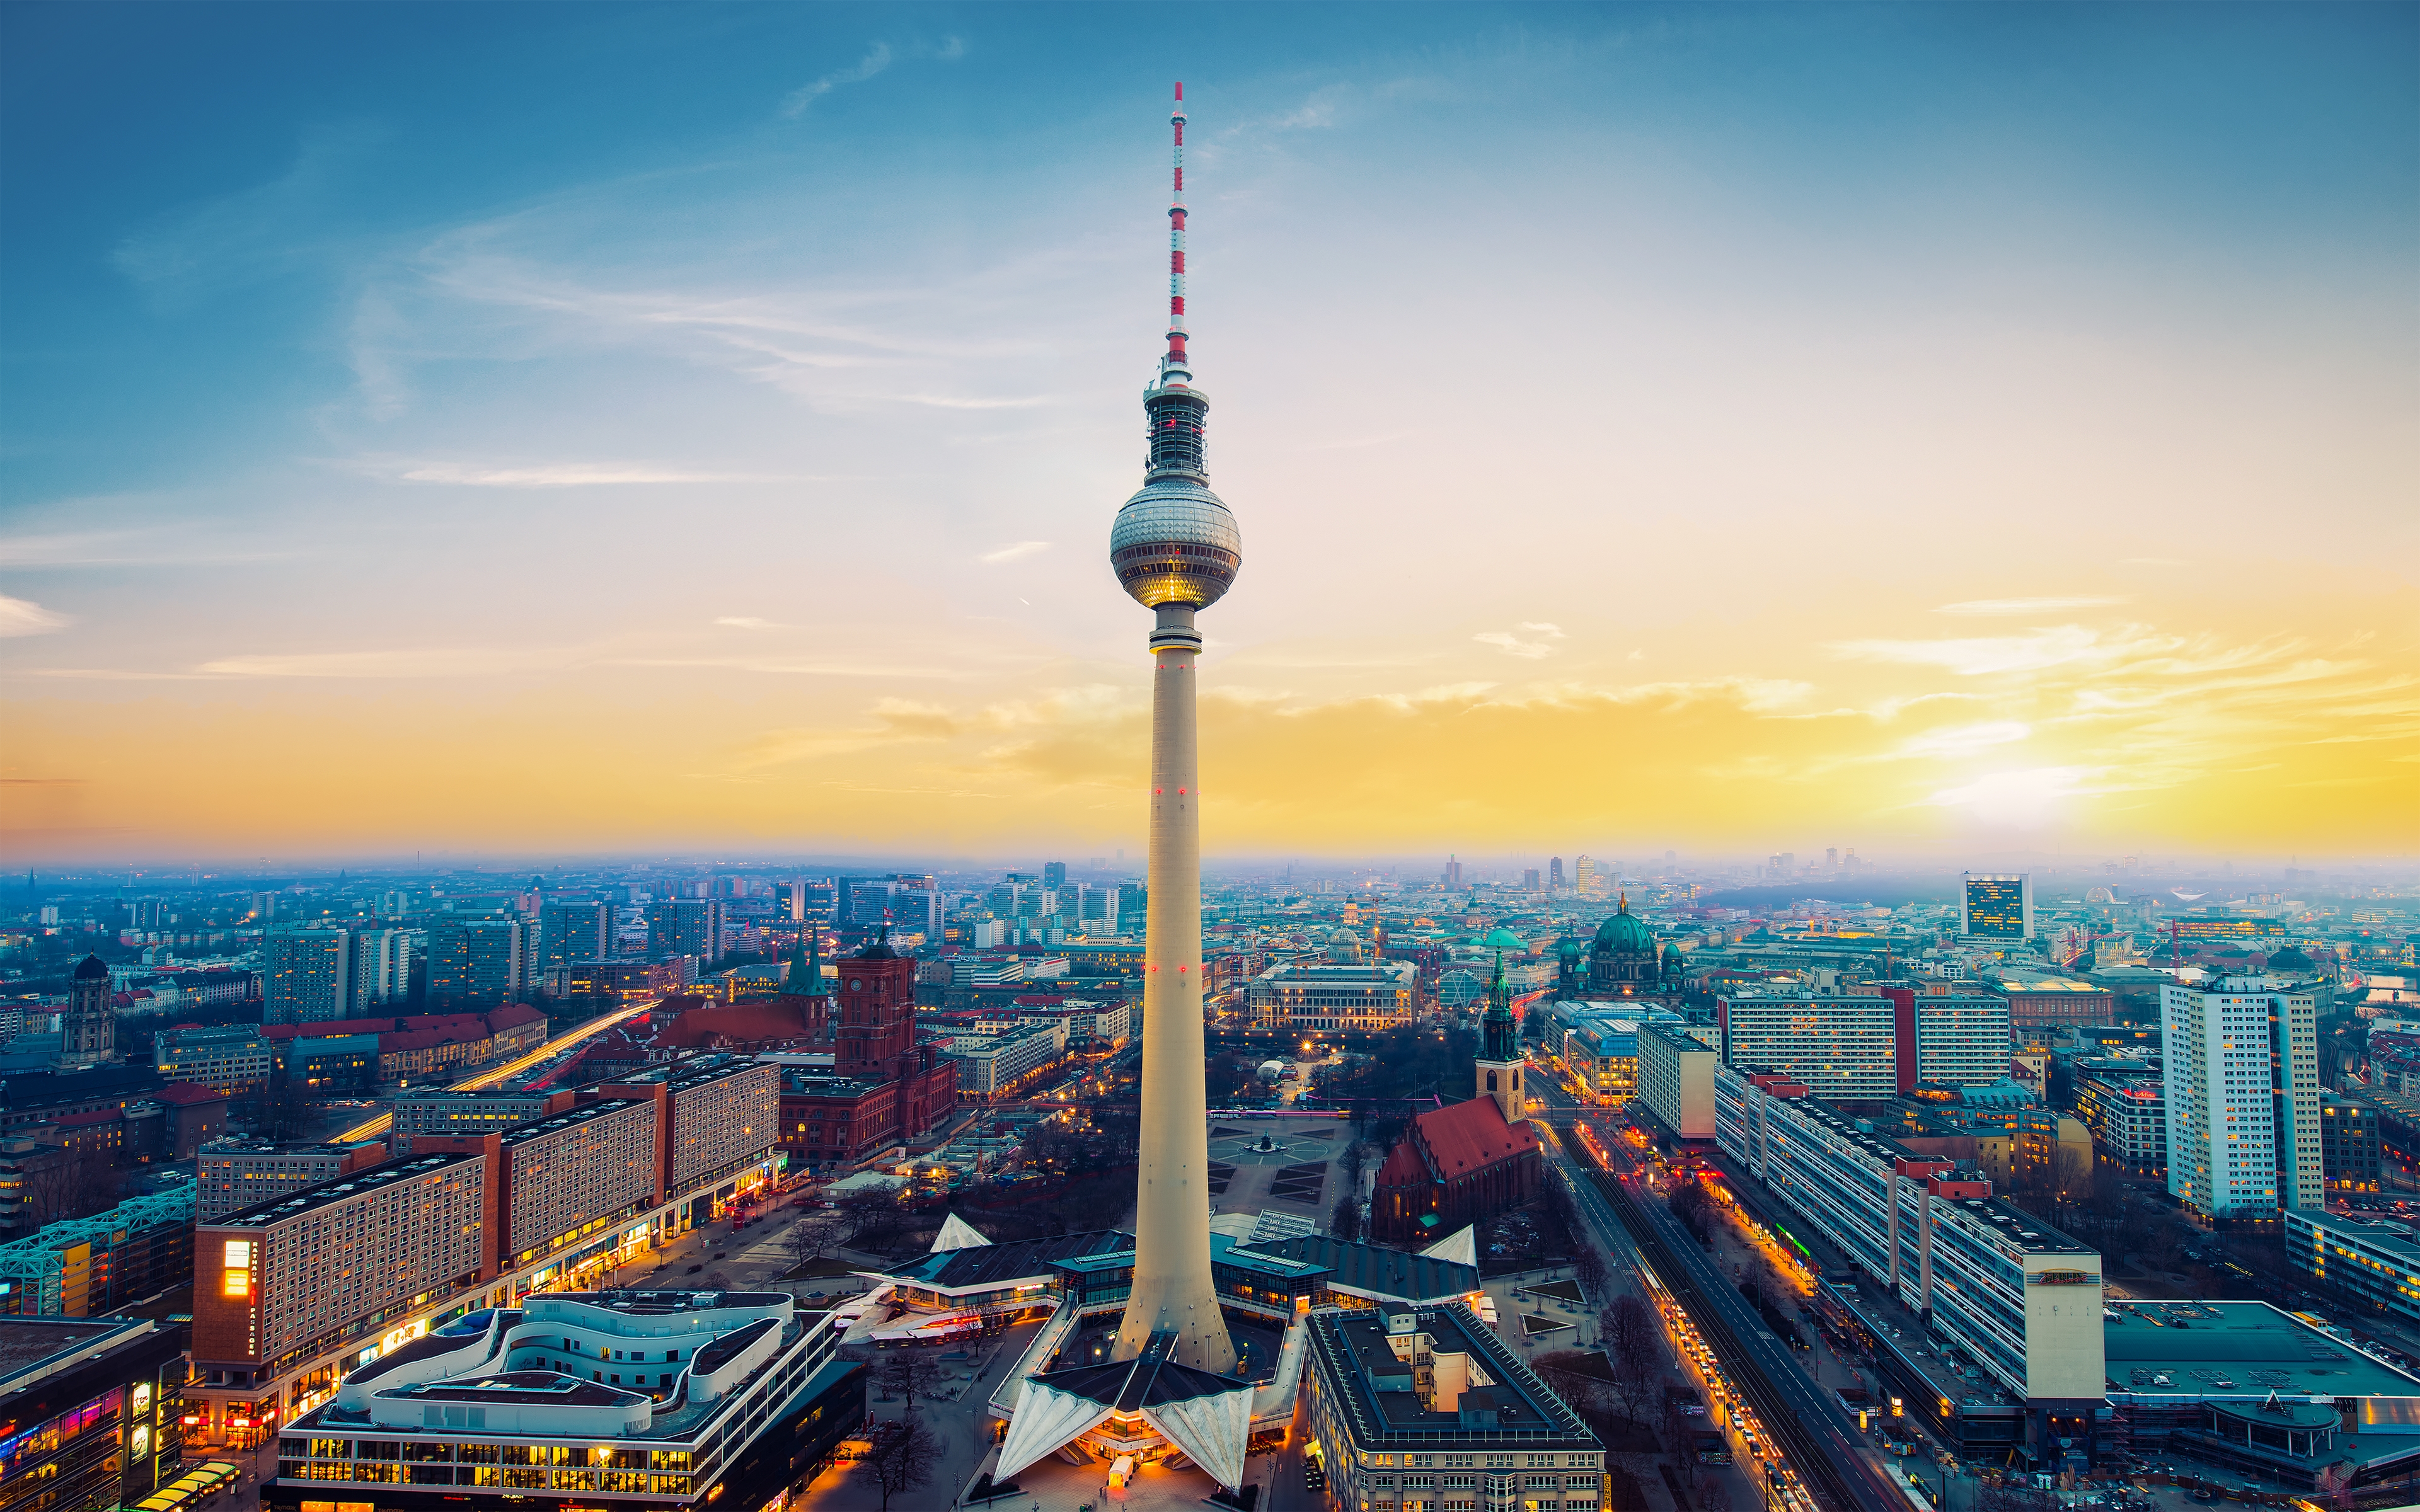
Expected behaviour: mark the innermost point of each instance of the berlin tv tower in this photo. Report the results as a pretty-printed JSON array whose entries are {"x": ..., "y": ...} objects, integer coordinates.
[{"x": 1176, "y": 549}]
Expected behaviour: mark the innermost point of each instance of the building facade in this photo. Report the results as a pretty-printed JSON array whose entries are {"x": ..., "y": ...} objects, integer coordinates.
[
  {"x": 476, "y": 963},
  {"x": 94, "y": 1412},
  {"x": 2127, "y": 1111},
  {"x": 310, "y": 976},
  {"x": 1676, "y": 1081},
  {"x": 2241, "y": 1063},
  {"x": 2349, "y": 1144},
  {"x": 2019, "y": 1299},
  {"x": 236, "y": 1174},
  {"x": 1843, "y": 1044},
  {"x": 1317, "y": 998}
]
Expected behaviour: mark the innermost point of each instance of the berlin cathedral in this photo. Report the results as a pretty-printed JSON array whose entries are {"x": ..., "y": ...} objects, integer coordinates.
[{"x": 1623, "y": 961}]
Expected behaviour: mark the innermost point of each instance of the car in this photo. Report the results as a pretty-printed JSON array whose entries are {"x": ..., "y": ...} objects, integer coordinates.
[{"x": 694, "y": 1270}]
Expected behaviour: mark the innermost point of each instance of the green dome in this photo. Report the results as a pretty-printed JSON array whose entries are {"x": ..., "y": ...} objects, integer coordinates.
[
  {"x": 1504, "y": 939},
  {"x": 1570, "y": 949},
  {"x": 1625, "y": 931}
]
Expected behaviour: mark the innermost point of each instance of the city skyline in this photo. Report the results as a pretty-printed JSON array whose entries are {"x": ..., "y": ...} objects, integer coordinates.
[{"x": 1965, "y": 435}]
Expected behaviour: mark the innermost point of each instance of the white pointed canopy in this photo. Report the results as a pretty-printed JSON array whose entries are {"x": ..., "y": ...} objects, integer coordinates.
[
  {"x": 1045, "y": 1418},
  {"x": 956, "y": 1233},
  {"x": 1461, "y": 1247},
  {"x": 1214, "y": 1430}
]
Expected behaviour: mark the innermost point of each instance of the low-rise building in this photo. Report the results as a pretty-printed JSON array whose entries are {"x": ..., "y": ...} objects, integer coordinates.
[
  {"x": 665, "y": 1400},
  {"x": 85, "y": 1267},
  {"x": 2348, "y": 1142},
  {"x": 233, "y": 1059},
  {"x": 2124, "y": 1103},
  {"x": 2369, "y": 1263},
  {"x": 94, "y": 1411},
  {"x": 1430, "y": 1409},
  {"x": 992, "y": 1064},
  {"x": 1304, "y": 997}
]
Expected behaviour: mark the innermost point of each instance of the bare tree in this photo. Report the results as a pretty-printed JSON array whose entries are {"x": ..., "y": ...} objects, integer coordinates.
[
  {"x": 910, "y": 1374},
  {"x": 1572, "y": 1373},
  {"x": 1345, "y": 1219},
  {"x": 903, "y": 1459},
  {"x": 1631, "y": 1332},
  {"x": 1716, "y": 1497},
  {"x": 1587, "y": 1269},
  {"x": 1677, "y": 1432},
  {"x": 811, "y": 1238},
  {"x": 1635, "y": 1379}
]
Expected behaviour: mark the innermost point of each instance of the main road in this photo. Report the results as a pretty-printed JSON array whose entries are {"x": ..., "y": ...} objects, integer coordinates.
[
  {"x": 372, "y": 1128},
  {"x": 1820, "y": 1442}
]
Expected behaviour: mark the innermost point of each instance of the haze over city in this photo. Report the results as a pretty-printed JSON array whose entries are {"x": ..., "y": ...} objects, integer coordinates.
[{"x": 581, "y": 431}]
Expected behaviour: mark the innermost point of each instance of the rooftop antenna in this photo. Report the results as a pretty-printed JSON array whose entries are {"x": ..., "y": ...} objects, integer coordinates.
[{"x": 1175, "y": 362}]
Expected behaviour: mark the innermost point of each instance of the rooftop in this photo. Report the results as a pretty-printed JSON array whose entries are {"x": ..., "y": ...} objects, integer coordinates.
[
  {"x": 1370, "y": 1269},
  {"x": 992, "y": 1265},
  {"x": 341, "y": 1189},
  {"x": 1375, "y": 1386},
  {"x": 2237, "y": 1349},
  {"x": 523, "y": 1133},
  {"x": 27, "y": 1342}
]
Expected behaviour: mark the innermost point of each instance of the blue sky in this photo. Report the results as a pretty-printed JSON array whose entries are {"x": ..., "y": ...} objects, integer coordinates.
[{"x": 768, "y": 373}]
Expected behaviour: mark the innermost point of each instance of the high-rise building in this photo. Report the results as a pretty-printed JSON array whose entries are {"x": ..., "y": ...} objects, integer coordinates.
[
  {"x": 1584, "y": 874},
  {"x": 1949, "y": 1034},
  {"x": 475, "y": 963},
  {"x": 790, "y": 901},
  {"x": 1530, "y": 879},
  {"x": 1054, "y": 873},
  {"x": 1555, "y": 874},
  {"x": 1993, "y": 905},
  {"x": 310, "y": 976},
  {"x": 1452, "y": 877},
  {"x": 382, "y": 970},
  {"x": 2349, "y": 1147},
  {"x": 569, "y": 933},
  {"x": 685, "y": 926},
  {"x": 2241, "y": 1060},
  {"x": 1676, "y": 1080}
]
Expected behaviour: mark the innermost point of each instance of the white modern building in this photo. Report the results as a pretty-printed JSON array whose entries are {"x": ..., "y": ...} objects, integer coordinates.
[
  {"x": 2240, "y": 1061},
  {"x": 1309, "y": 995},
  {"x": 1842, "y": 1043},
  {"x": 1962, "y": 1036},
  {"x": 1676, "y": 1080},
  {"x": 2019, "y": 1299}
]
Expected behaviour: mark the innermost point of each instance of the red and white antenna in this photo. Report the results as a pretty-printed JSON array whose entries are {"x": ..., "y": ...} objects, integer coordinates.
[{"x": 1175, "y": 359}]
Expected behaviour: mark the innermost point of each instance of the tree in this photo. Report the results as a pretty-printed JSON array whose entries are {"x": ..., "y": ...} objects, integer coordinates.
[
  {"x": 910, "y": 1374},
  {"x": 1356, "y": 1157},
  {"x": 1677, "y": 1433},
  {"x": 903, "y": 1457},
  {"x": 1345, "y": 1219},
  {"x": 1587, "y": 1269},
  {"x": 1715, "y": 1497},
  {"x": 1634, "y": 1349},
  {"x": 811, "y": 1236},
  {"x": 1572, "y": 1375}
]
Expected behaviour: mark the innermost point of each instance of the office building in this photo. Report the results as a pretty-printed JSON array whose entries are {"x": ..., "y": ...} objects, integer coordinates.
[
  {"x": 570, "y": 935},
  {"x": 233, "y": 1059},
  {"x": 236, "y": 1174},
  {"x": 1554, "y": 874},
  {"x": 685, "y": 926},
  {"x": 475, "y": 963},
  {"x": 2046, "y": 1001},
  {"x": 1600, "y": 1053},
  {"x": 1430, "y": 1409},
  {"x": 1996, "y": 906},
  {"x": 292, "y": 1292},
  {"x": 1841, "y": 1041},
  {"x": 2240, "y": 1062},
  {"x": 1305, "y": 997},
  {"x": 2370, "y": 1262},
  {"x": 2017, "y": 1298},
  {"x": 2348, "y": 1150},
  {"x": 2125, "y": 1105},
  {"x": 88, "y": 1267},
  {"x": 1054, "y": 875},
  {"x": 93, "y": 1411},
  {"x": 1676, "y": 1081},
  {"x": 637, "y": 1400},
  {"x": 789, "y": 901},
  {"x": 990, "y": 1065},
  {"x": 310, "y": 976}
]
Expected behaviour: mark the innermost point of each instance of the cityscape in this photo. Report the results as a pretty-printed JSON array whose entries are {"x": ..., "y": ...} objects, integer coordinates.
[{"x": 641, "y": 871}]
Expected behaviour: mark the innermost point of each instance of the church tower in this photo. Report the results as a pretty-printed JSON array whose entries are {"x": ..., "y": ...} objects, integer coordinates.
[
  {"x": 90, "y": 1022},
  {"x": 1499, "y": 1049}
]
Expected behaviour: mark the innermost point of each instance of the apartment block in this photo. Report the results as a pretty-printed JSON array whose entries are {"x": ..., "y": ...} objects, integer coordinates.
[
  {"x": 1949, "y": 1034},
  {"x": 234, "y": 1060},
  {"x": 310, "y": 976},
  {"x": 2017, "y": 1298},
  {"x": 444, "y": 1112},
  {"x": 2243, "y": 1082},
  {"x": 576, "y": 1174},
  {"x": 2371, "y": 1262},
  {"x": 724, "y": 1115},
  {"x": 1841, "y": 1041},
  {"x": 990, "y": 1064},
  {"x": 2348, "y": 1142},
  {"x": 236, "y": 1174}
]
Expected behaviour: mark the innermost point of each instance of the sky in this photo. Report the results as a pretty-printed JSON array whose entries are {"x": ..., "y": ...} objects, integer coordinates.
[{"x": 1942, "y": 431}]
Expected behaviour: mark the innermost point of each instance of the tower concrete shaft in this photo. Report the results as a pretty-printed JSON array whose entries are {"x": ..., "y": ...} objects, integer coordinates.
[{"x": 1172, "y": 1289}]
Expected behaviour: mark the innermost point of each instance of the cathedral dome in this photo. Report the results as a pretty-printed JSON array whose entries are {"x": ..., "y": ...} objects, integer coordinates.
[
  {"x": 1504, "y": 939},
  {"x": 1624, "y": 931},
  {"x": 90, "y": 967}
]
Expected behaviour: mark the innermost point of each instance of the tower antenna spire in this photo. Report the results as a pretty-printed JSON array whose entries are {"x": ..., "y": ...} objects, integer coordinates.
[{"x": 1174, "y": 367}]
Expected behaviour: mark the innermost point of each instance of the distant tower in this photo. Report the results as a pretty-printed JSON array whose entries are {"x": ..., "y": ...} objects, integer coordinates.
[
  {"x": 1499, "y": 1048},
  {"x": 89, "y": 1026},
  {"x": 1554, "y": 874},
  {"x": 1176, "y": 549}
]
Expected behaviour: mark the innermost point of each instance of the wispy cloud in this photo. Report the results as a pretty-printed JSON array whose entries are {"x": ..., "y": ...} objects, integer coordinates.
[
  {"x": 795, "y": 103},
  {"x": 749, "y": 622},
  {"x": 1014, "y": 551},
  {"x": 1529, "y": 639},
  {"x": 23, "y": 616},
  {"x": 2057, "y": 646},
  {"x": 2026, "y": 605},
  {"x": 569, "y": 474}
]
